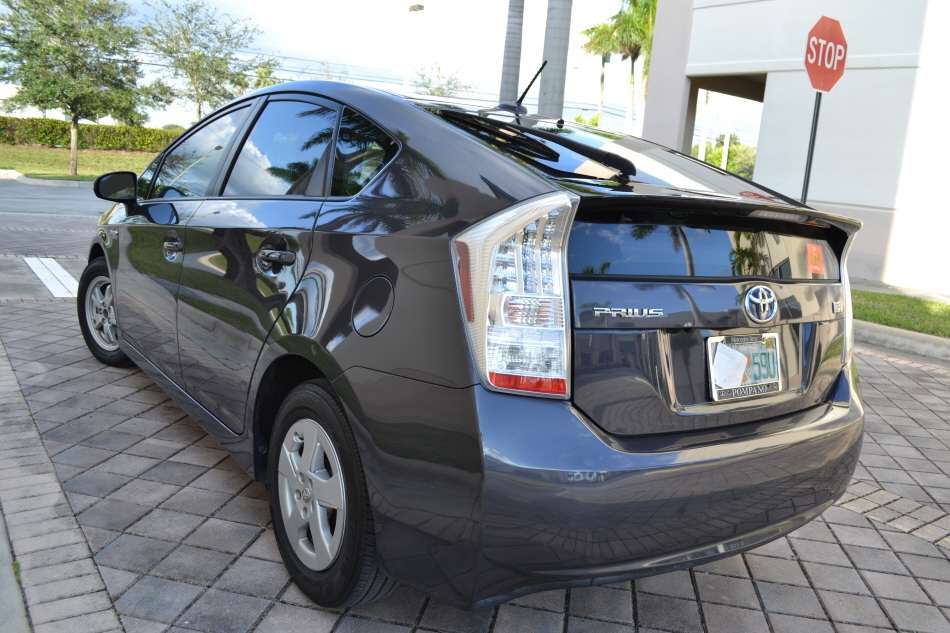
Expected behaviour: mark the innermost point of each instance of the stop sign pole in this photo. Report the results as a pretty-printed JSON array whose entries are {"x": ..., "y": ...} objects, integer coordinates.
[{"x": 825, "y": 54}]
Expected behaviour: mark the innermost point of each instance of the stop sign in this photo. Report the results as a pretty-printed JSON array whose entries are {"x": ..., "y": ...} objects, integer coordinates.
[{"x": 825, "y": 54}]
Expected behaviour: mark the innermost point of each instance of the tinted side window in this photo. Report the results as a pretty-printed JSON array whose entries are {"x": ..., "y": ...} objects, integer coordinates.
[
  {"x": 146, "y": 179},
  {"x": 285, "y": 152},
  {"x": 361, "y": 151},
  {"x": 189, "y": 168}
]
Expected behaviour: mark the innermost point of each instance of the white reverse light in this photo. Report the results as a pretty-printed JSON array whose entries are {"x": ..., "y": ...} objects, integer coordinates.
[{"x": 511, "y": 272}]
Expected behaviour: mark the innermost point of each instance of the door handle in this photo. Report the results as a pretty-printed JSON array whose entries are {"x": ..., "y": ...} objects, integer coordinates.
[
  {"x": 171, "y": 248},
  {"x": 284, "y": 258}
]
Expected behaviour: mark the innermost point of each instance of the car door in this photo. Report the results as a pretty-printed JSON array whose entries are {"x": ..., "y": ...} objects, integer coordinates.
[
  {"x": 151, "y": 239},
  {"x": 246, "y": 249}
]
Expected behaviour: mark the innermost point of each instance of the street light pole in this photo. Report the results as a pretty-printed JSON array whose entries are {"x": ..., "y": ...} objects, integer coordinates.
[{"x": 407, "y": 69}]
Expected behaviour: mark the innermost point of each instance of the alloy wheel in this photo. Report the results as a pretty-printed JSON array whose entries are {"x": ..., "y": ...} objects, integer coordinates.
[
  {"x": 100, "y": 313},
  {"x": 312, "y": 494}
]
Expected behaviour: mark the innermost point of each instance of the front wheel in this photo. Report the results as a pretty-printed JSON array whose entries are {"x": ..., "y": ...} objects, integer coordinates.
[
  {"x": 97, "y": 318},
  {"x": 319, "y": 503}
]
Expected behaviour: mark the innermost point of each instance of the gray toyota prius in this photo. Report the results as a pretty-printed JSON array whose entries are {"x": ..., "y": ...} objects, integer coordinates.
[{"x": 479, "y": 352}]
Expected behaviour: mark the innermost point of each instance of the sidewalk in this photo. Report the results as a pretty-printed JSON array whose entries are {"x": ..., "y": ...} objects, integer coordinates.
[
  {"x": 876, "y": 286},
  {"x": 117, "y": 502},
  {"x": 12, "y": 609}
]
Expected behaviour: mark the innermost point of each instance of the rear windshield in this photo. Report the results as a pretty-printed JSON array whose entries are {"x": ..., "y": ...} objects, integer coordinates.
[
  {"x": 641, "y": 245},
  {"x": 655, "y": 165}
]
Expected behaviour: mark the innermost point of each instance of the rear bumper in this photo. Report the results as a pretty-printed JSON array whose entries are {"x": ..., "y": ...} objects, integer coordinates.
[
  {"x": 562, "y": 505},
  {"x": 546, "y": 500}
]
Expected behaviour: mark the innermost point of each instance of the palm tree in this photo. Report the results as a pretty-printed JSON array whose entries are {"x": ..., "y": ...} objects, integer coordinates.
[
  {"x": 600, "y": 42},
  {"x": 265, "y": 77},
  {"x": 678, "y": 238},
  {"x": 746, "y": 260},
  {"x": 511, "y": 66},
  {"x": 629, "y": 33}
]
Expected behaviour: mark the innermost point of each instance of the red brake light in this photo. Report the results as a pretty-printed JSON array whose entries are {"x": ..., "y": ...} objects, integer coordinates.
[{"x": 555, "y": 386}]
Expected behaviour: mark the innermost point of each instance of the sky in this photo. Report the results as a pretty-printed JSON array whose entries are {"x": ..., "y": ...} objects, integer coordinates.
[
  {"x": 458, "y": 36},
  {"x": 383, "y": 34}
]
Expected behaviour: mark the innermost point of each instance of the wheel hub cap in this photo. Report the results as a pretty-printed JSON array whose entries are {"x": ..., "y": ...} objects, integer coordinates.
[
  {"x": 100, "y": 313},
  {"x": 312, "y": 494}
]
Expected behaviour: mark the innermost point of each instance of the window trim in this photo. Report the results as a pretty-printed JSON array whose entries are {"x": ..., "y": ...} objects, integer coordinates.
[
  {"x": 252, "y": 103},
  {"x": 393, "y": 137},
  {"x": 341, "y": 104},
  {"x": 217, "y": 191},
  {"x": 157, "y": 161},
  {"x": 289, "y": 96}
]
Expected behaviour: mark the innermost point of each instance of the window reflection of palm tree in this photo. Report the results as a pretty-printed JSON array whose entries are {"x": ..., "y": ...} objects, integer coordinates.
[
  {"x": 677, "y": 237},
  {"x": 290, "y": 172},
  {"x": 408, "y": 201},
  {"x": 746, "y": 260},
  {"x": 600, "y": 270},
  {"x": 298, "y": 173}
]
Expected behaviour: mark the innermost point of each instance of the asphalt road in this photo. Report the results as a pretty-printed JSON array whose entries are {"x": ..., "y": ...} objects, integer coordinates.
[
  {"x": 39, "y": 221},
  {"x": 16, "y": 197}
]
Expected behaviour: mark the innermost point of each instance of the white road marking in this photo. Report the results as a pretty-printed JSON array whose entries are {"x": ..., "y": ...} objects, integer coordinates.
[{"x": 59, "y": 282}]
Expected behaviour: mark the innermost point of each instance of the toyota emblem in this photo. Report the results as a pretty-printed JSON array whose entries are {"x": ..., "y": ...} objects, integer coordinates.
[{"x": 760, "y": 304}]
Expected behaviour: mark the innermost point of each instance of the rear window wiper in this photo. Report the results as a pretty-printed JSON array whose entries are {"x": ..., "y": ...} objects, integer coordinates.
[
  {"x": 609, "y": 159},
  {"x": 521, "y": 135},
  {"x": 508, "y": 137}
]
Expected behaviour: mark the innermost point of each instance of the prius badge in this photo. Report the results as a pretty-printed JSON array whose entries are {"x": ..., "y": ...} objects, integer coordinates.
[{"x": 635, "y": 313}]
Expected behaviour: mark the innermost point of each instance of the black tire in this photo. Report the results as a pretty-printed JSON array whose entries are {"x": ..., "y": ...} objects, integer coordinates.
[
  {"x": 353, "y": 577},
  {"x": 96, "y": 275}
]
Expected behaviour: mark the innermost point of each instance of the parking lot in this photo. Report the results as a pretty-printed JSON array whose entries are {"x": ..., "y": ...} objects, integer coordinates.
[{"x": 124, "y": 514}]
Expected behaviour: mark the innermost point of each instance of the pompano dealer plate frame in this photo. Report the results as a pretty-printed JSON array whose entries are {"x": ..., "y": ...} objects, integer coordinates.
[{"x": 737, "y": 343}]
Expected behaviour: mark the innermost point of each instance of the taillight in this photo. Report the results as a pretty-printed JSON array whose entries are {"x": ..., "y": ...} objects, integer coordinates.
[{"x": 511, "y": 272}]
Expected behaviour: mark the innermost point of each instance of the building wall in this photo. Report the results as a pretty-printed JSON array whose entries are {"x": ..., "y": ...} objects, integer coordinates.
[{"x": 879, "y": 129}]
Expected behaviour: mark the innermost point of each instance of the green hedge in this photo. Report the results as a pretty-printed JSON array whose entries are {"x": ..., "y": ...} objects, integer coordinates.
[{"x": 55, "y": 132}]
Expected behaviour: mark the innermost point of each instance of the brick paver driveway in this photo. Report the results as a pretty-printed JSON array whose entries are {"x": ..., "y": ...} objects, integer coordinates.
[{"x": 117, "y": 503}]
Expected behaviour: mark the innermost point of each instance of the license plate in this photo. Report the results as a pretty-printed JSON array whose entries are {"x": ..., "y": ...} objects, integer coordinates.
[{"x": 743, "y": 366}]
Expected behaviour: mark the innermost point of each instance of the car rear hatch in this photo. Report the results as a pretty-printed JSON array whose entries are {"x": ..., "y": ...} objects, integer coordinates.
[{"x": 661, "y": 289}]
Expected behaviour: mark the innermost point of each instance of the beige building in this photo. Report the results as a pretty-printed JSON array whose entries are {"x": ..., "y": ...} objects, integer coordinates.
[{"x": 881, "y": 149}]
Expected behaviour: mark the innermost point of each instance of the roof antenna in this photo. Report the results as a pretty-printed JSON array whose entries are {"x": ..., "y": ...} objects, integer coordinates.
[{"x": 516, "y": 107}]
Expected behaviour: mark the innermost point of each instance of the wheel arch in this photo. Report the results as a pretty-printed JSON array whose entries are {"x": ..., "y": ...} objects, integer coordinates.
[
  {"x": 96, "y": 251},
  {"x": 280, "y": 376}
]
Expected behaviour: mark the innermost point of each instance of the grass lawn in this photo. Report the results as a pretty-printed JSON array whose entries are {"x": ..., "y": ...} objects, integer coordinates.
[
  {"x": 907, "y": 313},
  {"x": 50, "y": 162}
]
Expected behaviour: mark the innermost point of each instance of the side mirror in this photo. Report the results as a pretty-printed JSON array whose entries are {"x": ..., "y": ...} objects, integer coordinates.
[{"x": 119, "y": 186}]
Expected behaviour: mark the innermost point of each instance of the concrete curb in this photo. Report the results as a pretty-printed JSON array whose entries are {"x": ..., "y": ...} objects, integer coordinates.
[
  {"x": 902, "y": 340},
  {"x": 12, "y": 609},
  {"x": 12, "y": 174}
]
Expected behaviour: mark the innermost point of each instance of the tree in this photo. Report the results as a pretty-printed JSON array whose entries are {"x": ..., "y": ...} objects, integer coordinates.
[
  {"x": 629, "y": 33},
  {"x": 636, "y": 23},
  {"x": 740, "y": 160},
  {"x": 431, "y": 82},
  {"x": 201, "y": 48},
  {"x": 265, "y": 78},
  {"x": 511, "y": 66},
  {"x": 73, "y": 55},
  {"x": 593, "y": 120},
  {"x": 600, "y": 41}
]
